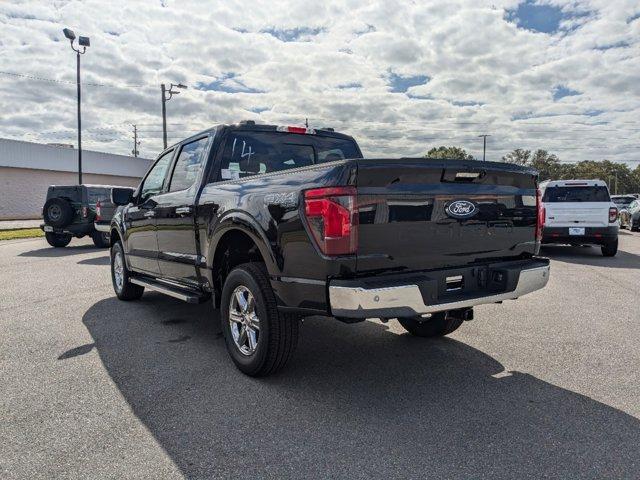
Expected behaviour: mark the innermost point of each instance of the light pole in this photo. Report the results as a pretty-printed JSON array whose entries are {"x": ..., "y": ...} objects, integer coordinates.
[
  {"x": 165, "y": 99},
  {"x": 484, "y": 146},
  {"x": 84, "y": 43}
]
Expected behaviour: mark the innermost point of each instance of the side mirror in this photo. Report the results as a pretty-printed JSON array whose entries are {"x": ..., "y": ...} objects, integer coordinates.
[{"x": 122, "y": 195}]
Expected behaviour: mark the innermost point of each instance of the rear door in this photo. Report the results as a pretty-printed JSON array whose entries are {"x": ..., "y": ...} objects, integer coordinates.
[
  {"x": 140, "y": 222},
  {"x": 577, "y": 205},
  {"x": 418, "y": 214},
  {"x": 175, "y": 213}
]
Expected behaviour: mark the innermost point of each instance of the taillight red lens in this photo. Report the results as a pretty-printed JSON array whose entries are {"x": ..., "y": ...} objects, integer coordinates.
[
  {"x": 332, "y": 215},
  {"x": 98, "y": 211},
  {"x": 613, "y": 214},
  {"x": 541, "y": 214},
  {"x": 85, "y": 212}
]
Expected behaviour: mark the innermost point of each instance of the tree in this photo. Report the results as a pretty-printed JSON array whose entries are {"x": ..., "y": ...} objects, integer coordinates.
[
  {"x": 518, "y": 156},
  {"x": 547, "y": 165},
  {"x": 449, "y": 153}
]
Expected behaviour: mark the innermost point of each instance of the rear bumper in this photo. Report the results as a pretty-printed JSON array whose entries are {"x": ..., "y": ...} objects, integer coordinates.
[
  {"x": 434, "y": 291},
  {"x": 592, "y": 235},
  {"x": 75, "y": 229},
  {"x": 102, "y": 226}
]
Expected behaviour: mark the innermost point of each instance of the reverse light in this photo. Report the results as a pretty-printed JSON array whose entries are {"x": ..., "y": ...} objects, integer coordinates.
[
  {"x": 332, "y": 216},
  {"x": 540, "y": 216},
  {"x": 85, "y": 212},
  {"x": 613, "y": 214},
  {"x": 300, "y": 130}
]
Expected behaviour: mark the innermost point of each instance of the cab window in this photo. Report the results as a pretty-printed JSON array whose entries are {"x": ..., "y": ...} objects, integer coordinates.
[
  {"x": 188, "y": 165},
  {"x": 155, "y": 179}
]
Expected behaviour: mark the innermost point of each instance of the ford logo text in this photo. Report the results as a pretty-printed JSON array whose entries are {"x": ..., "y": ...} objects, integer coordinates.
[{"x": 461, "y": 209}]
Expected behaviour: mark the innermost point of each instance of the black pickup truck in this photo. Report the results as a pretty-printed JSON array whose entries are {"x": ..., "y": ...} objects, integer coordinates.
[{"x": 279, "y": 223}]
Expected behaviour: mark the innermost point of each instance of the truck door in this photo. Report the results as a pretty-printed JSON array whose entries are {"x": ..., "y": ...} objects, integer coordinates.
[
  {"x": 175, "y": 213},
  {"x": 140, "y": 235}
]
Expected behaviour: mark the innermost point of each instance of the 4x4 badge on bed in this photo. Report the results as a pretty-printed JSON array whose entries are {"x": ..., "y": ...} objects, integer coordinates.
[{"x": 461, "y": 209}]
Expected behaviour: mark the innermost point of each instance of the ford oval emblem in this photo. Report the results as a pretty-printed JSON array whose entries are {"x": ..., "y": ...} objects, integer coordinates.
[{"x": 461, "y": 209}]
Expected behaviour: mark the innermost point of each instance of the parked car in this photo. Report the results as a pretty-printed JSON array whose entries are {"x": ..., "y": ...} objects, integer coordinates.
[
  {"x": 623, "y": 202},
  {"x": 279, "y": 223},
  {"x": 634, "y": 215},
  {"x": 580, "y": 212},
  {"x": 70, "y": 211}
]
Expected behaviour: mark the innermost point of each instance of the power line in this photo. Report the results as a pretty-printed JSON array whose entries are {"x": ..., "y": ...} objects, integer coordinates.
[{"x": 69, "y": 82}]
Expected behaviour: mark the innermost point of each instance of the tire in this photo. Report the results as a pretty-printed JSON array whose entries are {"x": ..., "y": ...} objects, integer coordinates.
[
  {"x": 57, "y": 240},
  {"x": 633, "y": 227},
  {"x": 268, "y": 343},
  {"x": 125, "y": 290},
  {"x": 57, "y": 212},
  {"x": 437, "y": 326},
  {"x": 610, "y": 249},
  {"x": 101, "y": 239}
]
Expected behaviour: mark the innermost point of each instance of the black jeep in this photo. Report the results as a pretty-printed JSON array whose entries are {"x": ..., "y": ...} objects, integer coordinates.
[{"x": 71, "y": 211}]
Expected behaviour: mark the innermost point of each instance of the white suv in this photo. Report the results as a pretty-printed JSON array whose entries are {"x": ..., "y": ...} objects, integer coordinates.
[{"x": 580, "y": 212}]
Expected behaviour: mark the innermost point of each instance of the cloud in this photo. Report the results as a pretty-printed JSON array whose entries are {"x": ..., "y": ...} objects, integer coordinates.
[{"x": 399, "y": 76}]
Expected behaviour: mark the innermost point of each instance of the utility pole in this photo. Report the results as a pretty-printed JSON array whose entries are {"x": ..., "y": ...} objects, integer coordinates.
[
  {"x": 306, "y": 122},
  {"x": 84, "y": 43},
  {"x": 135, "y": 141},
  {"x": 616, "y": 189},
  {"x": 484, "y": 146},
  {"x": 165, "y": 99}
]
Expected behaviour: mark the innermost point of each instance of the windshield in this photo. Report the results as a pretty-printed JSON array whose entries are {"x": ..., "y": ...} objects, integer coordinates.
[
  {"x": 576, "y": 194},
  {"x": 251, "y": 153}
]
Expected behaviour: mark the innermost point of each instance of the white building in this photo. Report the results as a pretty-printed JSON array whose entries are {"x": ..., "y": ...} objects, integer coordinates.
[{"x": 27, "y": 169}]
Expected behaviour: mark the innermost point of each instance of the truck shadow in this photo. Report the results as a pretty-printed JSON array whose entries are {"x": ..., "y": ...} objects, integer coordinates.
[
  {"x": 590, "y": 255},
  {"x": 357, "y": 401},
  {"x": 62, "y": 252}
]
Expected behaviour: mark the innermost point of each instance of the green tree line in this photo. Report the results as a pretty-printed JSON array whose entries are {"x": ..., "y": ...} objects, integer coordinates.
[{"x": 619, "y": 176}]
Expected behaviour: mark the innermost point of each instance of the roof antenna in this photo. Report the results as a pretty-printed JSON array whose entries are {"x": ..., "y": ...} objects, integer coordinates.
[{"x": 306, "y": 122}]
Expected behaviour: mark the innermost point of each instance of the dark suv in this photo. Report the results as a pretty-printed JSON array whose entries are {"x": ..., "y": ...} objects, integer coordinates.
[{"x": 70, "y": 211}]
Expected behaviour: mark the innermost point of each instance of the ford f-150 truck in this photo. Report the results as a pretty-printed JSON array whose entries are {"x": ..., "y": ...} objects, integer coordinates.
[{"x": 279, "y": 223}]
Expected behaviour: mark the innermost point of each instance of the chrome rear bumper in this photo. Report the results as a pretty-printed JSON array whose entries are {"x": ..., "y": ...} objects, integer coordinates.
[{"x": 407, "y": 300}]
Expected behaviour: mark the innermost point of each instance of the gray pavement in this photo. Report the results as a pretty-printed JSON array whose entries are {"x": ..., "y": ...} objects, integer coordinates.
[{"x": 544, "y": 387}]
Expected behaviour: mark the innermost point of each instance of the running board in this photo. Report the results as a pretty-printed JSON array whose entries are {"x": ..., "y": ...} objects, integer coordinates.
[{"x": 189, "y": 297}]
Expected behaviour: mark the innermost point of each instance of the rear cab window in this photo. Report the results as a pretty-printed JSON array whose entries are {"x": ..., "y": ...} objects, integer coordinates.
[
  {"x": 248, "y": 153},
  {"x": 558, "y": 194}
]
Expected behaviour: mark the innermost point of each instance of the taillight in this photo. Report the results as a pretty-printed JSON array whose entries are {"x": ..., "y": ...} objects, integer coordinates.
[
  {"x": 541, "y": 214},
  {"x": 85, "y": 212},
  {"x": 98, "y": 211},
  {"x": 613, "y": 214},
  {"x": 332, "y": 215}
]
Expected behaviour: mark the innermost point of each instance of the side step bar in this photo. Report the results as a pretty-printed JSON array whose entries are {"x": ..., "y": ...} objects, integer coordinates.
[{"x": 185, "y": 296}]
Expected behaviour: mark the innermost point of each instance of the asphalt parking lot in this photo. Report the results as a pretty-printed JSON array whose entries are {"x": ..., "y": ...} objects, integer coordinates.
[{"x": 544, "y": 387}]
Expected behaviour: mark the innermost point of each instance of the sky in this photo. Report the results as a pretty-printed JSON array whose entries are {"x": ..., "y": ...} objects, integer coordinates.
[{"x": 401, "y": 77}]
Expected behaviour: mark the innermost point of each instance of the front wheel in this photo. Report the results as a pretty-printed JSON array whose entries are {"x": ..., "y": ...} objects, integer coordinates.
[
  {"x": 125, "y": 290},
  {"x": 57, "y": 240},
  {"x": 438, "y": 325},
  {"x": 259, "y": 338},
  {"x": 610, "y": 249},
  {"x": 101, "y": 239}
]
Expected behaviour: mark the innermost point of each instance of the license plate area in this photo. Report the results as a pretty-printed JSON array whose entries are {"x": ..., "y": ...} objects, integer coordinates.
[
  {"x": 576, "y": 230},
  {"x": 48, "y": 228},
  {"x": 454, "y": 283}
]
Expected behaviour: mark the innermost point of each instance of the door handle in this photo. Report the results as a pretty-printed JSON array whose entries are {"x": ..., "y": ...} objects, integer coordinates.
[
  {"x": 150, "y": 214},
  {"x": 184, "y": 210}
]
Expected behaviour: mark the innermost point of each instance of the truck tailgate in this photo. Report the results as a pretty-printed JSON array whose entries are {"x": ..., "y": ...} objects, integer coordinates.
[{"x": 420, "y": 214}]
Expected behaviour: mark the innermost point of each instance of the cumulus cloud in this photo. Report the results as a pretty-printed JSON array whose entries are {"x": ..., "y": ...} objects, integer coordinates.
[{"x": 399, "y": 76}]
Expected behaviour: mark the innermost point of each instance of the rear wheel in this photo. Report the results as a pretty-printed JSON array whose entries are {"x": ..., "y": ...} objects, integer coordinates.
[
  {"x": 125, "y": 290},
  {"x": 610, "y": 249},
  {"x": 101, "y": 239},
  {"x": 57, "y": 240},
  {"x": 438, "y": 325},
  {"x": 259, "y": 338}
]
